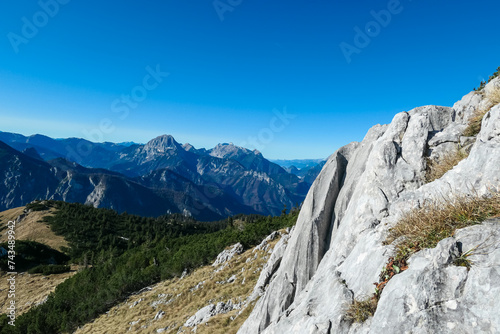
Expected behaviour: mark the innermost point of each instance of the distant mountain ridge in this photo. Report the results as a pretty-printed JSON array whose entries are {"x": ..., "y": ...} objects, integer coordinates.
[
  {"x": 150, "y": 179},
  {"x": 298, "y": 163}
]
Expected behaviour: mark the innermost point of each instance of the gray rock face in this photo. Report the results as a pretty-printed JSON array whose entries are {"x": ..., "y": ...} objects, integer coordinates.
[
  {"x": 209, "y": 311},
  {"x": 434, "y": 289},
  {"x": 335, "y": 252},
  {"x": 268, "y": 272},
  {"x": 202, "y": 316},
  {"x": 228, "y": 254}
]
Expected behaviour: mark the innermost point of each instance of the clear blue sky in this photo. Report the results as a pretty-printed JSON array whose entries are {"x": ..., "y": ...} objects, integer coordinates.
[{"x": 227, "y": 76}]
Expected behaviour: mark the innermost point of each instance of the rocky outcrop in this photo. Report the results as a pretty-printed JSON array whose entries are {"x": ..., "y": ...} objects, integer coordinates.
[
  {"x": 336, "y": 250},
  {"x": 228, "y": 254},
  {"x": 272, "y": 265},
  {"x": 209, "y": 311}
]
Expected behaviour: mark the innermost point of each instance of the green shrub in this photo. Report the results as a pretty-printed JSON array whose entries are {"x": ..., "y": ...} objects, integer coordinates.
[
  {"x": 49, "y": 269},
  {"x": 38, "y": 205},
  {"x": 30, "y": 254},
  {"x": 483, "y": 83}
]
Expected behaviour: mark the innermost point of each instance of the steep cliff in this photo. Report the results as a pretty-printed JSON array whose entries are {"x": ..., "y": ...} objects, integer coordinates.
[{"x": 337, "y": 250}]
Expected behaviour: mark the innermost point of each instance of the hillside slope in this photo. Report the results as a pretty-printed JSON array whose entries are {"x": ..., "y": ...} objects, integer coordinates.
[
  {"x": 36, "y": 287},
  {"x": 29, "y": 226},
  {"x": 338, "y": 251},
  {"x": 213, "y": 299}
]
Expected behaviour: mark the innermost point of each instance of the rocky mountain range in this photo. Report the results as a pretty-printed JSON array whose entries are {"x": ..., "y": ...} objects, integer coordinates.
[{"x": 161, "y": 176}]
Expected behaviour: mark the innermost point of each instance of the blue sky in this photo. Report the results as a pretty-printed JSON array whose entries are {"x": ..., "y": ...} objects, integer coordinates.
[{"x": 269, "y": 75}]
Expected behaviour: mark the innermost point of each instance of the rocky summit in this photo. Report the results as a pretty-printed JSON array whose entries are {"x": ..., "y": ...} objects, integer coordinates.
[{"x": 338, "y": 248}]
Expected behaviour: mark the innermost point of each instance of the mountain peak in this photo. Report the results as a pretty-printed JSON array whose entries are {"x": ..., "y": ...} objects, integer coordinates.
[
  {"x": 190, "y": 148},
  {"x": 228, "y": 150},
  {"x": 257, "y": 152},
  {"x": 160, "y": 146},
  {"x": 162, "y": 143}
]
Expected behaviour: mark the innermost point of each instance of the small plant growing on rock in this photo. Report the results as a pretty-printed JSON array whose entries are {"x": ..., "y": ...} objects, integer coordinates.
[
  {"x": 475, "y": 121},
  {"x": 423, "y": 228},
  {"x": 483, "y": 83},
  {"x": 394, "y": 266},
  {"x": 463, "y": 260},
  {"x": 474, "y": 125},
  {"x": 494, "y": 96},
  {"x": 437, "y": 168},
  {"x": 361, "y": 310}
]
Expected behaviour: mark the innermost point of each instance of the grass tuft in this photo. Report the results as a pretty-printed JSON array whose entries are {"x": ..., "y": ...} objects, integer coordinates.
[
  {"x": 494, "y": 96},
  {"x": 474, "y": 125},
  {"x": 360, "y": 310},
  {"x": 463, "y": 261},
  {"x": 475, "y": 121},
  {"x": 436, "y": 169},
  {"x": 424, "y": 227}
]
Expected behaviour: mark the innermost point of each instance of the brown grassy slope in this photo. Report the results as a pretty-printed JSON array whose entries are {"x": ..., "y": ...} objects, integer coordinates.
[
  {"x": 175, "y": 298},
  {"x": 32, "y": 228},
  {"x": 30, "y": 289}
]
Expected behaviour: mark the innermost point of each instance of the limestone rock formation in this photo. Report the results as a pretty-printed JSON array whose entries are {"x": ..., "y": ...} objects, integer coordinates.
[
  {"x": 228, "y": 254},
  {"x": 464, "y": 301},
  {"x": 336, "y": 250}
]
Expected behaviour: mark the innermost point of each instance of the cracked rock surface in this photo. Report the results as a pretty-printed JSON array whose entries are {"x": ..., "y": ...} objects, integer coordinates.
[{"x": 436, "y": 296}]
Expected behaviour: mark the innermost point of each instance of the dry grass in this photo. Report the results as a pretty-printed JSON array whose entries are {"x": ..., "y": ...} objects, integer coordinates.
[
  {"x": 360, "y": 310},
  {"x": 176, "y": 298},
  {"x": 31, "y": 289},
  {"x": 475, "y": 121},
  {"x": 32, "y": 228},
  {"x": 436, "y": 169},
  {"x": 424, "y": 227},
  {"x": 474, "y": 125},
  {"x": 494, "y": 96}
]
